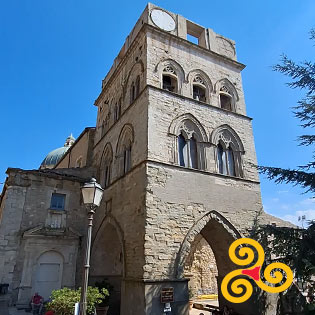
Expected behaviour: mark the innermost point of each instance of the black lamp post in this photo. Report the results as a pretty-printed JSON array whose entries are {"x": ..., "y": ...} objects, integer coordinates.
[{"x": 92, "y": 194}]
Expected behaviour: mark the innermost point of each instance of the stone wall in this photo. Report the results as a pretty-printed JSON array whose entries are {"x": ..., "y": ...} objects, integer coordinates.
[
  {"x": 201, "y": 268},
  {"x": 29, "y": 228}
]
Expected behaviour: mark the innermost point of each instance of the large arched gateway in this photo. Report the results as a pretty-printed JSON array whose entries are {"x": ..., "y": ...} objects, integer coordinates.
[
  {"x": 219, "y": 233},
  {"x": 107, "y": 261}
]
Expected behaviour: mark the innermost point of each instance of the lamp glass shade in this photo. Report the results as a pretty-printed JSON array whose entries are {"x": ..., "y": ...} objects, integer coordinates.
[{"x": 92, "y": 193}]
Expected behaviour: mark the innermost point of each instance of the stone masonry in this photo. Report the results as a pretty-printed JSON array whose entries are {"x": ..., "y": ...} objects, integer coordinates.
[{"x": 174, "y": 150}]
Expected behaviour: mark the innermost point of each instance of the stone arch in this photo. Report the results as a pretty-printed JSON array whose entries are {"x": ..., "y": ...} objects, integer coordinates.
[
  {"x": 224, "y": 86},
  {"x": 229, "y": 135},
  {"x": 228, "y": 151},
  {"x": 106, "y": 165},
  {"x": 136, "y": 70},
  {"x": 219, "y": 234},
  {"x": 180, "y": 73},
  {"x": 124, "y": 148},
  {"x": 48, "y": 272},
  {"x": 108, "y": 259},
  {"x": 199, "y": 77},
  {"x": 202, "y": 224},
  {"x": 197, "y": 128},
  {"x": 190, "y": 128}
]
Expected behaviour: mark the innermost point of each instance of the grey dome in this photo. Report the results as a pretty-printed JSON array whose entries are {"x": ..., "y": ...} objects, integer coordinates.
[{"x": 55, "y": 156}]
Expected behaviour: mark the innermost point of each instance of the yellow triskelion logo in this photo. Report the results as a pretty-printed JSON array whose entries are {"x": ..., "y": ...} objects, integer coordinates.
[{"x": 243, "y": 288}]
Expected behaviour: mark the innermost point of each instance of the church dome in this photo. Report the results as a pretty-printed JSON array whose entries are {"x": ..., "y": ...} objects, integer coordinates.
[{"x": 55, "y": 156}]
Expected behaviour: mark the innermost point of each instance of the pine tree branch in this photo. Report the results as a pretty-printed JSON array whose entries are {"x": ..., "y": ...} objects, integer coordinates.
[
  {"x": 280, "y": 175},
  {"x": 305, "y": 111},
  {"x": 305, "y": 73},
  {"x": 306, "y": 139}
]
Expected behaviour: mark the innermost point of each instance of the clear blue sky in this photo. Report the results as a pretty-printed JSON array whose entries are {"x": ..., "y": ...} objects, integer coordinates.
[{"x": 54, "y": 55}]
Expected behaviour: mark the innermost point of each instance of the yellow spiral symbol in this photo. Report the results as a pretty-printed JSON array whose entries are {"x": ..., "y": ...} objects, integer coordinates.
[
  {"x": 276, "y": 278},
  {"x": 242, "y": 288},
  {"x": 246, "y": 254}
]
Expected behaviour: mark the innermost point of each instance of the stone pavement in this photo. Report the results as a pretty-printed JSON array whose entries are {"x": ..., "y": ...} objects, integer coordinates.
[{"x": 14, "y": 311}]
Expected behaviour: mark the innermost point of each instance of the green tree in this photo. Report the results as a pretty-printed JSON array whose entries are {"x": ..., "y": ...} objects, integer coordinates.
[
  {"x": 63, "y": 300},
  {"x": 303, "y": 77},
  {"x": 293, "y": 246}
]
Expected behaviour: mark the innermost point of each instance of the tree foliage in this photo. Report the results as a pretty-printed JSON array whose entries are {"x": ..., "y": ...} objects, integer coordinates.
[
  {"x": 303, "y": 77},
  {"x": 63, "y": 300},
  {"x": 294, "y": 246}
]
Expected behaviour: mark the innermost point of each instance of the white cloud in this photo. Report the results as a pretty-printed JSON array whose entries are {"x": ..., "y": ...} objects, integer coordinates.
[{"x": 291, "y": 211}]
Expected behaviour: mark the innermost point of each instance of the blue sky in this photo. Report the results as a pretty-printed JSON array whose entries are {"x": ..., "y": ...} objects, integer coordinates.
[{"x": 54, "y": 55}]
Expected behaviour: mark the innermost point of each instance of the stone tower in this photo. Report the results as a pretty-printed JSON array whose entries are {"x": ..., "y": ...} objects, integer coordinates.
[{"x": 174, "y": 150}]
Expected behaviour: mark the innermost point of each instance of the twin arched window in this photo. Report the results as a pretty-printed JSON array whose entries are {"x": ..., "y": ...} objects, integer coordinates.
[
  {"x": 189, "y": 137},
  {"x": 106, "y": 165},
  {"x": 124, "y": 149},
  {"x": 229, "y": 150},
  {"x": 135, "y": 89}
]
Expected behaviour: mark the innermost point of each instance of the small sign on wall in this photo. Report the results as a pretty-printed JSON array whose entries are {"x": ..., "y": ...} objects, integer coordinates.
[{"x": 167, "y": 295}]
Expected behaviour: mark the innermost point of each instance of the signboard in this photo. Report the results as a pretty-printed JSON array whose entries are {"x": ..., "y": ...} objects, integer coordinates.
[{"x": 167, "y": 295}]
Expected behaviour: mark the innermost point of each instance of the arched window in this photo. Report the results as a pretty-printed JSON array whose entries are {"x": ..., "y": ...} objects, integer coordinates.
[
  {"x": 229, "y": 150},
  {"x": 199, "y": 89},
  {"x": 78, "y": 162},
  {"x": 117, "y": 110},
  {"x": 227, "y": 94},
  {"x": 106, "y": 165},
  {"x": 124, "y": 149},
  {"x": 169, "y": 79},
  {"x": 225, "y": 98}
]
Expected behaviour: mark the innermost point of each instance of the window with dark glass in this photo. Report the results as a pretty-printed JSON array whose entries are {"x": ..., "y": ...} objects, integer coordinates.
[
  {"x": 225, "y": 102},
  {"x": 199, "y": 93},
  {"x": 57, "y": 201},
  {"x": 225, "y": 160},
  {"x": 127, "y": 159},
  {"x": 169, "y": 83},
  {"x": 107, "y": 176},
  {"x": 187, "y": 152},
  {"x": 132, "y": 92},
  {"x": 137, "y": 87}
]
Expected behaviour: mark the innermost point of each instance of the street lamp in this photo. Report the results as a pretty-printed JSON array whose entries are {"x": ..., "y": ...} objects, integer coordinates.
[{"x": 92, "y": 194}]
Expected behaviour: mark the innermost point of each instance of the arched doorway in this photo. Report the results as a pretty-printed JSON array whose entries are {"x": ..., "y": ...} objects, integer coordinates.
[
  {"x": 48, "y": 273},
  {"x": 219, "y": 233},
  {"x": 107, "y": 261}
]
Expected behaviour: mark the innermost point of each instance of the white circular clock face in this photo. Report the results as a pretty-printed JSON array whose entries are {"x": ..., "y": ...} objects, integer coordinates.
[{"x": 163, "y": 20}]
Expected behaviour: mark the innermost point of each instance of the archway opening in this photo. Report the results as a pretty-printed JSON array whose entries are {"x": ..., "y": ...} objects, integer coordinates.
[
  {"x": 107, "y": 264},
  {"x": 205, "y": 260}
]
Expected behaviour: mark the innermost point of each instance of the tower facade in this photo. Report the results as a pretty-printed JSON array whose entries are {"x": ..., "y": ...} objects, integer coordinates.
[{"x": 175, "y": 152}]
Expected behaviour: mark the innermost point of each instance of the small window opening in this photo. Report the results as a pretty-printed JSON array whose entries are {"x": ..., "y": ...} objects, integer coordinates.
[
  {"x": 169, "y": 83},
  {"x": 57, "y": 201},
  {"x": 199, "y": 93},
  {"x": 137, "y": 86},
  {"x": 193, "y": 39},
  {"x": 107, "y": 176},
  {"x": 127, "y": 159},
  {"x": 225, "y": 102},
  {"x": 132, "y": 93}
]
